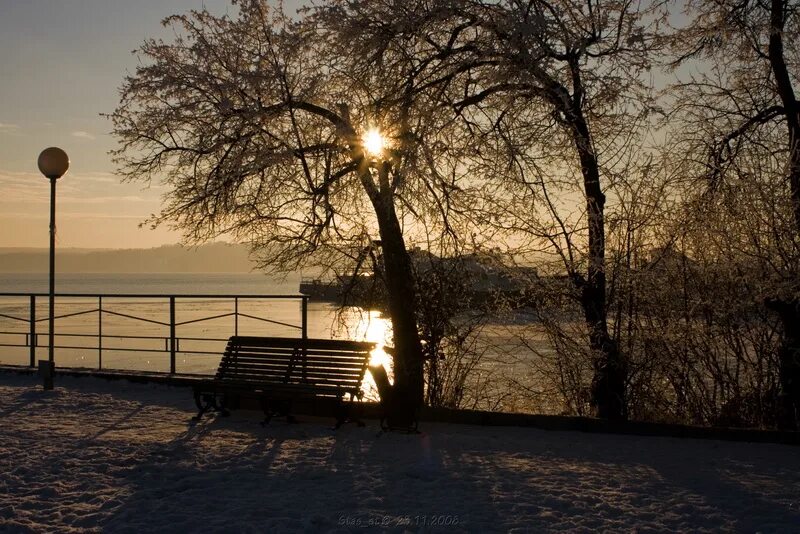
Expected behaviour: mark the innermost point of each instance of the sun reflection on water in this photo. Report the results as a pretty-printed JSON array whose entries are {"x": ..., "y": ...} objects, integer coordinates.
[
  {"x": 378, "y": 330},
  {"x": 372, "y": 326}
]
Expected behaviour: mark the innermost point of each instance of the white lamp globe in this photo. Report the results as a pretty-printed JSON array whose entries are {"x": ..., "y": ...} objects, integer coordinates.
[{"x": 53, "y": 162}]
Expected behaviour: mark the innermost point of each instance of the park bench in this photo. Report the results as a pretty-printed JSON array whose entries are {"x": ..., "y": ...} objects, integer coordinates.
[{"x": 278, "y": 371}]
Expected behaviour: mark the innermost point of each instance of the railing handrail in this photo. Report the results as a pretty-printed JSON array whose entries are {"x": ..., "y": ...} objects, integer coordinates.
[{"x": 157, "y": 295}]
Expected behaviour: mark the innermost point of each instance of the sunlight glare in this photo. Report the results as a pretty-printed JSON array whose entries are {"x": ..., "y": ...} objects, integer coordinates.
[
  {"x": 372, "y": 326},
  {"x": 374, "y": 142},
  {"x": 377, "y": 329}
]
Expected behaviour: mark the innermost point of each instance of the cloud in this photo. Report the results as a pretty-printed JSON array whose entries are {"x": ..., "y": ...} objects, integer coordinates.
[
  {"x": 23, "y": 215},
  {"x": 83, "y": 135},
  {"x": 82, "y": 188},
  {"x": 100, "y": 177},
  {"x": 9, "y": 129},
  {"x": 103, "y": 200},
  {"x": 23, "y": 187}
]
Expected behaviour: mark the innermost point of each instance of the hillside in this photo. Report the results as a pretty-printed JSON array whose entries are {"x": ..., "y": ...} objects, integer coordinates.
[{"x": 212, "y": 258}]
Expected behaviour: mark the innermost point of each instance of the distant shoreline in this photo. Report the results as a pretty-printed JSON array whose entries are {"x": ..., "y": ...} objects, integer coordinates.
[
  {"x": 219, "y": 258},
  {"x": 182, "y": 283}
]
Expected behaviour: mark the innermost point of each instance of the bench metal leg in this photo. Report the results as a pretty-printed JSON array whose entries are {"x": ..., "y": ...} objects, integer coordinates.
[
  {"x": 206, "y": 402},
  {"x": 412, "y": 428},
  {"x": 203, "y": 405},
  {"x": 220, "y": 406},
  {"x": 390, "y": 422},
  {"x": 265, "y": 407},
  {"x": 343, "y": 414},
  {"x": 276, "y": 407}
]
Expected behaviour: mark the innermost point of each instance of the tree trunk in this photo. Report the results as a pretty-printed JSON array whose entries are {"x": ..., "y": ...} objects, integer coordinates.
[
  {"x": 783, "y": 82},
  {"x": 409, "y": 379},
  {"x": 610, "y": 371},
  {"x": 789, "y": 365},
  {"x": 787, "y": 309}
]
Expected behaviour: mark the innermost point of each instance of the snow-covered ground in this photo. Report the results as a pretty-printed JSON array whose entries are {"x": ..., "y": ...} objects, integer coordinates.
[{"x": 117, "y": 456}]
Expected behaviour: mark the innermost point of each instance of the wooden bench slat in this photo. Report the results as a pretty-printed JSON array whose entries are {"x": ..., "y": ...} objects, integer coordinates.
[
  {"x": 309, "y": 377},
  {"x": 344, "y": 364},
  {"x": 290, "y": 348},
  {"x": 276, "y": 377},
  {"x": 295, "y": 378},
  {"x": 250, "y": 380},
  {"x": 308, "y": 358},
  {"x": 297, "y": 372},
  {"x": 308, "y": 364},
  {"x": 287, "y": 353},
  {"x": 294, "y": 362},
  {"x": 310, "y": 343},
  {"x": 247, "y": 389},
  {"x": 309, "y": 354}
]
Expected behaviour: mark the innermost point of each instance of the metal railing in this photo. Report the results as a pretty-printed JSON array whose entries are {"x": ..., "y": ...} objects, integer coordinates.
[{"x": 171, "y": 339}]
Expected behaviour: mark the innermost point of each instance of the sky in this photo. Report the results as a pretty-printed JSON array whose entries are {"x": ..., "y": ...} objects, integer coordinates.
[{"x": 61, "y": 64}]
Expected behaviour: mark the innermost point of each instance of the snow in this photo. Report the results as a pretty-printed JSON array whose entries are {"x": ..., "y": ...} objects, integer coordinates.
[{"x": 119, "y": 456}]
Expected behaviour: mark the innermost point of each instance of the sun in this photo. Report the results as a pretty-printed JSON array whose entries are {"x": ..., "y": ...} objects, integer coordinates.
[{"x": 374, "y": 142}]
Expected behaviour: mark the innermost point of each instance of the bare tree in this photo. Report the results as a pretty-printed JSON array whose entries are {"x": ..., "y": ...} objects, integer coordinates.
[
  {"x": 256, "y": 123},
  {"x": 742, "y": 102},
  {"x": 565, "y": 90}
]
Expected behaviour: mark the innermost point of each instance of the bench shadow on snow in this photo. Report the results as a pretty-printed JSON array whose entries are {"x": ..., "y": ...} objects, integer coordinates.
[{"x": 232, "y": 473}]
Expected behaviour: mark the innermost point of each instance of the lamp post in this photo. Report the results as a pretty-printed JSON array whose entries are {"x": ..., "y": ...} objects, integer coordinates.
[{"x": 53, "y": 163}]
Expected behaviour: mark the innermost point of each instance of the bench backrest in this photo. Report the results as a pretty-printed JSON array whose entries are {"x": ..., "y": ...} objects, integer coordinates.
[{"x": 329, "y": 364}]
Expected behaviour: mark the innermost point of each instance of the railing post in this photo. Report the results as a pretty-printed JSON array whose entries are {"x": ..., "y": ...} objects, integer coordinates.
[
  {"x": 99, "y": 332},
  {"x": 305, "y": 318},
  {"x": 236, "y": 316},
  {"x": 172, "y": 340},
  {"x": 33, "y": 331},
  {"x": 305, "y": 336}
]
